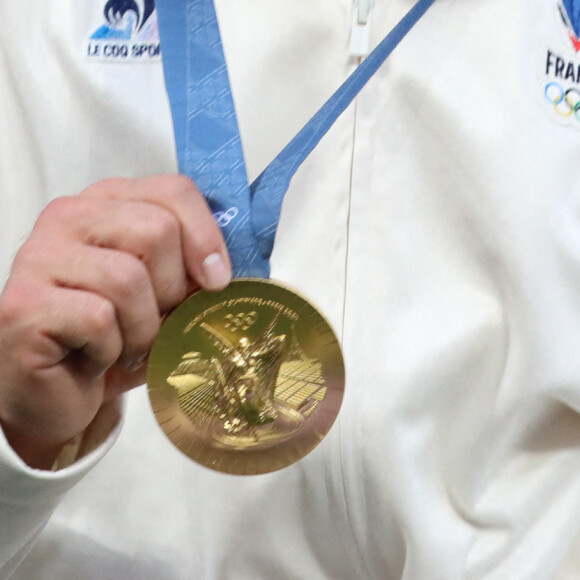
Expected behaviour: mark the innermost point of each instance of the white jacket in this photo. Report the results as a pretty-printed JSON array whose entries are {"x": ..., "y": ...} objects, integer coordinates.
[{"x": 437, "y": 226}]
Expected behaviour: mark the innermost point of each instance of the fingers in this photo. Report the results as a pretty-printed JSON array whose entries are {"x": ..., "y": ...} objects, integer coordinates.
[
  {"x": 139, "y": 244},
  {"x": 122, "y": 295},
  {"x": 87, "y": 291},
  {"x": 58, "y": 347},
  {"x": 205, "y": 255},
  {"x": 46, "y": 323},
  {"x": 145, "y": 232}
]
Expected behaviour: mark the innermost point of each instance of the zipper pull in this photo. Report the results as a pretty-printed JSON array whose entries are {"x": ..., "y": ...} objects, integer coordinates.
[{"x": 360, "y": 37}]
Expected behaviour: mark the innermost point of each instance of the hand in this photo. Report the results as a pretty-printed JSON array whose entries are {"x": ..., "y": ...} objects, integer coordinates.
[{"x": 85, "y": 298}]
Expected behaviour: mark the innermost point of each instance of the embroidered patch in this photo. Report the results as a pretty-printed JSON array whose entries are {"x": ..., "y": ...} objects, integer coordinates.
[
  {"x": 129, "y": 32},
  {"x": 562, "y": 66},
  {"x": 570, "y": 14}
]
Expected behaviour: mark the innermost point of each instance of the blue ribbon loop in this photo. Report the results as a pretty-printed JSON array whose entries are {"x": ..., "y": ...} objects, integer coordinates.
[{"x": 207, "y": 137}]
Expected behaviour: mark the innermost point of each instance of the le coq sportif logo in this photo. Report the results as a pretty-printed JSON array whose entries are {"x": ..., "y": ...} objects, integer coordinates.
[{"x": 128, "y": 31}]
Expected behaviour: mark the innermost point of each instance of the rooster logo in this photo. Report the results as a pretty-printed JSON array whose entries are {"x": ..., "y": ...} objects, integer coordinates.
[
  {"x": 570, "y": 14},
  {"x": 125, "y": 19}
]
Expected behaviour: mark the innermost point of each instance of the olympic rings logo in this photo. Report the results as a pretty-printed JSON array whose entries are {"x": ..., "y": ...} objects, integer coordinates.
[
  {"x": 223, "y": 218},
  {"x": 566, "y": 102}
]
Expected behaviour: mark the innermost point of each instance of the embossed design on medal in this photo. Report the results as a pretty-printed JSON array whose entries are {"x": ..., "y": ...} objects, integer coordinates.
[{"x": 258, "y": 384}]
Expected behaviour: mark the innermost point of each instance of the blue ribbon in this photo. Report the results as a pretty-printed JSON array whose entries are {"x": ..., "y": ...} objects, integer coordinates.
[{"x": 207, "y": 137}]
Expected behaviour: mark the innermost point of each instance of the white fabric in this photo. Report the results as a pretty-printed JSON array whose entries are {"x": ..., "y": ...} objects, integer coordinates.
[
  {"x": 437, "y": 226},
  {"x": 28, "y": 497}
]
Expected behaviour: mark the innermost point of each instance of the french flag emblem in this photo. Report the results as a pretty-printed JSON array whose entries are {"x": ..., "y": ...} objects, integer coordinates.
[{"x": 570, "y": 13}]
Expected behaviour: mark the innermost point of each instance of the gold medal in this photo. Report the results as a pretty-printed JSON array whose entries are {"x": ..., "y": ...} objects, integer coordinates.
[{"x": 247, "y": 380}]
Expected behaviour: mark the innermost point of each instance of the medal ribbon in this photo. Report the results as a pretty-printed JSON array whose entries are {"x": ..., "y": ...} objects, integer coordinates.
[{"x": 206, "y": 130}]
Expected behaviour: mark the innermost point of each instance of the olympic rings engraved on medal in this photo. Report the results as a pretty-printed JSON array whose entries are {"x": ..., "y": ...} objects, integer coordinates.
[
  {"x": 223, "y": 218},
  {"x": 566, "y": 102},
  {"x": 241, "y": 321}
]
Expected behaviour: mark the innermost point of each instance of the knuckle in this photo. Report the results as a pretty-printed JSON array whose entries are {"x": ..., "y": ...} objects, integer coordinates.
[
  {"x": 20, "y": 301},
  {"x": 176, "y": 198},
  {"x": 106, "y": 187},
  {"x": 123, "y": 289},
  {"x": 13, "y": 306},
  {"x": 183, "y": 184},
  {"x": 26, "y": 254},
  {"x": 60, "y": 209},
  {"x": 35, "y": 254},
  {"x": 162, "y": 229},
  {"x": 181, "y": 191},
  {"x": 130, "y": 276},
  {"x": 101, "y": 318}
]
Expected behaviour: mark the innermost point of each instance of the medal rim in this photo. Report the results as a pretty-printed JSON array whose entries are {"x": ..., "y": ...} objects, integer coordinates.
[{"x": 247, "y": 461}]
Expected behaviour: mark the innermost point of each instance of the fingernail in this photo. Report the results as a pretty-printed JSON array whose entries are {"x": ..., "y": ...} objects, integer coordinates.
[
  {"x": 136, "y": 364},
  {"x": 216, "y": 273}
]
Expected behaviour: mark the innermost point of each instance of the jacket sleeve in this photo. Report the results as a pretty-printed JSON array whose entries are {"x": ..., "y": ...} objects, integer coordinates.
[{"x": 29, "y": 496}]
